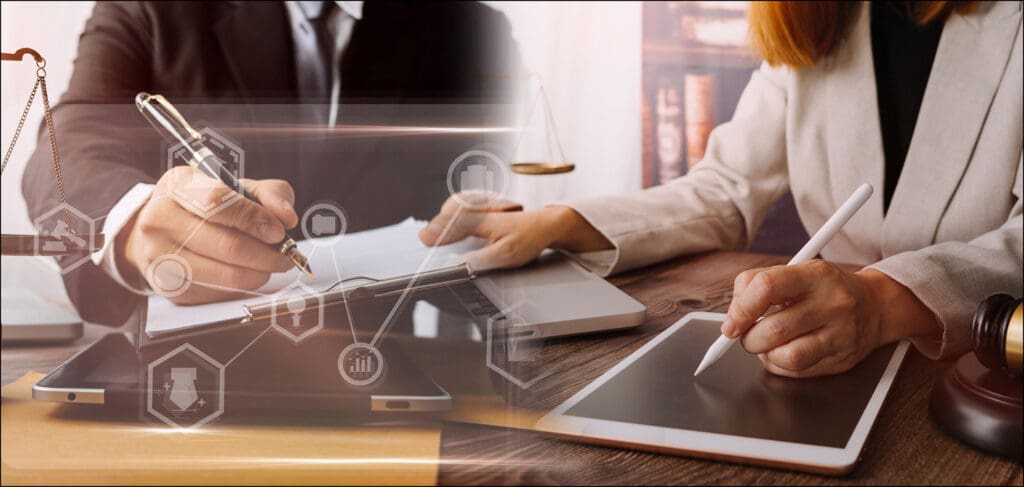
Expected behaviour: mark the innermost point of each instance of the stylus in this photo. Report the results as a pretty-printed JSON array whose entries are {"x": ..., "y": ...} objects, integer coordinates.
[{"x": 811, "y": 249}]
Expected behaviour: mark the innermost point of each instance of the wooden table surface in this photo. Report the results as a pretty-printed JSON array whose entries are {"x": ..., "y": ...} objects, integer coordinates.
[{"x": 905, "y": 446}]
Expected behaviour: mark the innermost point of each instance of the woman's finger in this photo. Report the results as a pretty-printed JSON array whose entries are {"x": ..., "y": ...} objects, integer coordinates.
[
  {"x": 743, "y": 279},
  {"x": 805, "y": 352},
  {"x": 781, "y": 327},
  {"x": 504, "y": 253},
  {"x": 772, "y": 286},
  {"x": 776, "y": 370},
  {"x": 463, "y": 216}
]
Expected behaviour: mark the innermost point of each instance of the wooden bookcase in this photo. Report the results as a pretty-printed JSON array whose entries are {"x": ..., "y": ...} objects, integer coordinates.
[{"x": 692, "y": 83}]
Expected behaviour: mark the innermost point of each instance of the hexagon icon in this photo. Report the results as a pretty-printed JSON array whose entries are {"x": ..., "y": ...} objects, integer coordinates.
[
  {"x": 287, "y": 309},
  {"x": 194, "y": 193},
  {"x": 503, "y": 362},
  {"x": 185, "y": 395},
  {"x": 52, "y": 224}
]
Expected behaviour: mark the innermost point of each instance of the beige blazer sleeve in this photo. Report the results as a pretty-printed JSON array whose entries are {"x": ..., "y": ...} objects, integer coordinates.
[
  {"x": 952, "y": 233},
  {"x": 718, "y": 205},
  {"x": 952, "y": 278}
]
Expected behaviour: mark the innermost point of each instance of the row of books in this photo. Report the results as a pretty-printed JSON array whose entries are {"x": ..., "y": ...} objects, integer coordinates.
[
  {"x": 677, "y": 120},
  {"x": 694, "y": 56}
]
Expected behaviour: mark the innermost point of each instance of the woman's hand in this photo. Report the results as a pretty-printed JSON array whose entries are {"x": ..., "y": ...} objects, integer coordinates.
[
  {"x": 514, "y": 237},
  {"x": 827, "y": 319}
]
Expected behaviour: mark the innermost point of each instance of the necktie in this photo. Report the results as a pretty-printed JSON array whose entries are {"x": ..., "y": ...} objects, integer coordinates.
[
  {"x": 317, "y": 79},
  {"x": 339, "y": 26}
]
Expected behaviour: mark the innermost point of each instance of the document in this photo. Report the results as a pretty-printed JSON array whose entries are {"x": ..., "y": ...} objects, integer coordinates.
[{"x": 380, "y": 253}]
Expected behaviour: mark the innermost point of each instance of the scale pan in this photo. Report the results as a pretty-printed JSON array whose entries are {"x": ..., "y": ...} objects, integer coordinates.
[{"x": 542, "y": 167}]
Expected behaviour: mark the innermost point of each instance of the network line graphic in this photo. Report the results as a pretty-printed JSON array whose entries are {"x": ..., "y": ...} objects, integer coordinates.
[{"x": 361, "y": 363}]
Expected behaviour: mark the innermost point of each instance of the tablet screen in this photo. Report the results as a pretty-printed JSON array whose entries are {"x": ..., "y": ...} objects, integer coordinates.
[{"x": 735, "y": 396}]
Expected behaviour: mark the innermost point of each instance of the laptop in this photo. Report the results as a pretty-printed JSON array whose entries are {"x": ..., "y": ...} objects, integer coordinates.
[
  {"x": 28, "y": 318},
  {"x": 256, "y": 368},
  {"x": 552, "y": 297}
]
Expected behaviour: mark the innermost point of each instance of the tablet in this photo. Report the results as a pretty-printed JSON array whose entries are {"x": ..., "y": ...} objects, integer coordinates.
[
  {"x": 272, "y": 374},
  {"x": 733, "y": 411}
]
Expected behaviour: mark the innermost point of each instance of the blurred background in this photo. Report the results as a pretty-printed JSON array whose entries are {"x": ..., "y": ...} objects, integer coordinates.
[{"x": 634, "y": 90}]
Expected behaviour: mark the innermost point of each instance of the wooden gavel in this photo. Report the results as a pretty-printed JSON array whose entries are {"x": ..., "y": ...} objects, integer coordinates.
[
  {"x": 997, "y": 332},
  {"x": 979, "y": 400}
]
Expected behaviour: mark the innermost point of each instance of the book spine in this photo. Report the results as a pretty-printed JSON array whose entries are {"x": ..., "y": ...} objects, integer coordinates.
[
  {"x": 669, "y": 130},
  {"x": 699, "y": 103},
  {"x": 649, "y": 163}
]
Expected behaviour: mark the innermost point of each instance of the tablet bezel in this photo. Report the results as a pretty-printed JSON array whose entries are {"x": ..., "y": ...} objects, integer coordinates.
[
  {"x": 801, "y": 456},
  {"x": 73, "y": 390}
]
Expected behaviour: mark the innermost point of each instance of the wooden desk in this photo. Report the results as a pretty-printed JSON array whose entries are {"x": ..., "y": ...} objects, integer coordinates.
[{"x": 905, "y": 447}]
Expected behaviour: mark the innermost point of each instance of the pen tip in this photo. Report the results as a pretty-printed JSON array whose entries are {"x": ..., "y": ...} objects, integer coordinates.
[
  {"x": 703, "y": 365},
  {"x": 289, "y": 248}
]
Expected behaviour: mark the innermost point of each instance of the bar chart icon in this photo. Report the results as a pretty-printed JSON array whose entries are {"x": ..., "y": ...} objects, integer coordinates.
[{"x": 362, "y": 365}]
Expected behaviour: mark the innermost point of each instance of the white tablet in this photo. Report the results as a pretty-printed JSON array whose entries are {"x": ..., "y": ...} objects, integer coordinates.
[{"x": 734, "y": 410}]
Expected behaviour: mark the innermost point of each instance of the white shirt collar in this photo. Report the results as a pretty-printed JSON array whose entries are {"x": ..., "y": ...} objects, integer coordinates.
[
  {"x": 314, "y": 9},
  {"x": 353, "y": 8}
]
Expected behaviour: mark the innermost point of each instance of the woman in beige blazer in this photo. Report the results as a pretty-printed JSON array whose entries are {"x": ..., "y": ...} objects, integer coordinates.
[{"x": 833, "y": 107}]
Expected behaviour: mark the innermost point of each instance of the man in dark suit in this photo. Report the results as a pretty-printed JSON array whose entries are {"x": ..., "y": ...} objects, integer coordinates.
[{"x": 279, "y": 79}]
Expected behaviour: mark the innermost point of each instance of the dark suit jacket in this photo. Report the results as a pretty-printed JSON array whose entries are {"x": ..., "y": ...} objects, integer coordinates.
[{"x": 230, "y": 66}]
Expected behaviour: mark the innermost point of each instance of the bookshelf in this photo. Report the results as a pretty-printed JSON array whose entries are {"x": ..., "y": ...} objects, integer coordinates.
[
  {"x": 675, "y": 54},
  {"x": 696, "y": 63}
]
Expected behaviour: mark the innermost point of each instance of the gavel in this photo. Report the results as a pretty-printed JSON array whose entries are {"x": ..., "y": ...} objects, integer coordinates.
[
  {"x": 997, "y": 333},
  {"x": 979, "y": 399}
]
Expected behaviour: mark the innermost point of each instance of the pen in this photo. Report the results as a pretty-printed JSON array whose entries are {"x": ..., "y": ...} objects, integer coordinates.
[
  {"x": 166, "y": 120},
  {"x": 813, "y": 246}
]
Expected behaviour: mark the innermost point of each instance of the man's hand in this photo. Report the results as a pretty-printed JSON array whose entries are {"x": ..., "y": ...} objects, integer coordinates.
[
  {"x": 228, "y": 252},
  {"x": 828, "y": 319},
  {"x": 514, "y": 237}
]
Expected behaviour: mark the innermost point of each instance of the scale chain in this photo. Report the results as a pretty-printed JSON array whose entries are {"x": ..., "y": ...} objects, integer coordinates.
[{"x": 40, "y": 85}]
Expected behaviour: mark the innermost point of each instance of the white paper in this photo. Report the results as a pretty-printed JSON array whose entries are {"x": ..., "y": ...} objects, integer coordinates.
[{"x": 379, "y": 253}]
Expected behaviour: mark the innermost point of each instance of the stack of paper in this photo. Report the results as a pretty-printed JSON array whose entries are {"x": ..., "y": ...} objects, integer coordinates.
[{"x": 379, "y": 254}]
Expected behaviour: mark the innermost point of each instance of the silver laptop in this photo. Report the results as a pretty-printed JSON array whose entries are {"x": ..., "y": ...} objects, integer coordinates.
[
  {"x": 553, "y": 296},
  {"x": 28, "y": 318}
]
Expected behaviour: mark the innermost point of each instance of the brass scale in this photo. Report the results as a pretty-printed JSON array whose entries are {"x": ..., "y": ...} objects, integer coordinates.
[{"x": 67, "y": 241}]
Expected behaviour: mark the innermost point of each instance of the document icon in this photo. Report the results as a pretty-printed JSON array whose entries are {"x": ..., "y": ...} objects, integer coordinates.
[
  {"x": 476, "y": 177},
  {"x": 324, "y": 225}
]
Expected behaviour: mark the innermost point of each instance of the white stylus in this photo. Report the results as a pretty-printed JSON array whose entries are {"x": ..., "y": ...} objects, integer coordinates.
[{"x": 813, "y": 246}]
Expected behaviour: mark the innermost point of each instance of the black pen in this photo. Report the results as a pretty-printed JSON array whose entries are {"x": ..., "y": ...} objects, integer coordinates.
[{"x": 166, "y": 119}]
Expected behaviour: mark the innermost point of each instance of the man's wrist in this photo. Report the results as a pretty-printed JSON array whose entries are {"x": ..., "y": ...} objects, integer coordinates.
[{"x": 126, "y": 264}]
